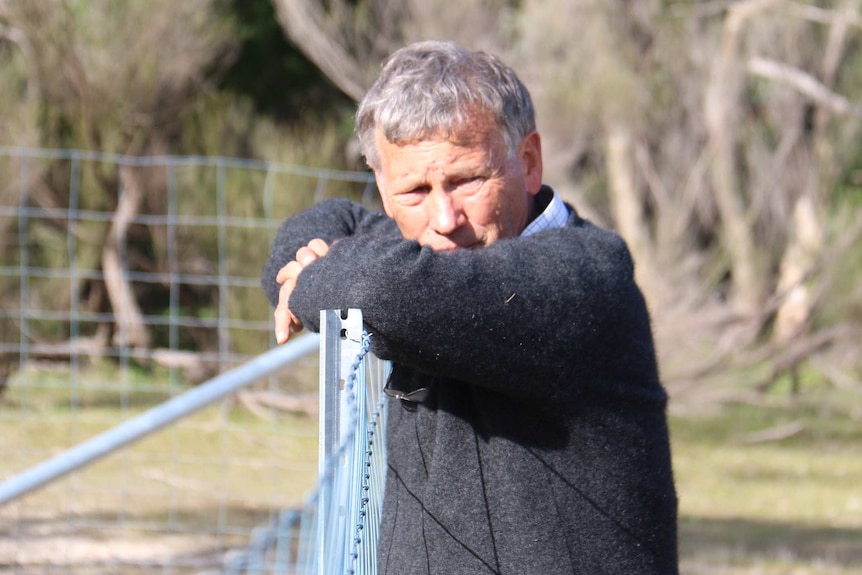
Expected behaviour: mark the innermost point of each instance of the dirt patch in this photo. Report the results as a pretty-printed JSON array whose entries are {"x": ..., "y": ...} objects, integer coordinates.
[{"x": 45, "y": 545}]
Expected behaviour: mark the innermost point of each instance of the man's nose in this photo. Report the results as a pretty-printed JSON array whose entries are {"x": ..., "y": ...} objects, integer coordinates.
[{"x": 446, "y": 214}]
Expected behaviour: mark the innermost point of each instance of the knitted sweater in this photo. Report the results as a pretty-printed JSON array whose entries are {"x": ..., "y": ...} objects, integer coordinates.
[{"x": 542, "y": 445}]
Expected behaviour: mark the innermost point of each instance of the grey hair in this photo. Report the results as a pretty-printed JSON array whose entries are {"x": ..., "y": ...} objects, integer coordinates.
[{"x": 430, "y": 89}]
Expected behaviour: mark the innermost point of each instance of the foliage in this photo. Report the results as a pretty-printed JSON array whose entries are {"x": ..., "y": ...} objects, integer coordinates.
[
  {"x": 117, "y": 76},
  {"x": 144, "y": 78},
  {"x": 721, "y": 140},
  {"x": 712, "y": 137},
  {"x": 271, "y": 72}
]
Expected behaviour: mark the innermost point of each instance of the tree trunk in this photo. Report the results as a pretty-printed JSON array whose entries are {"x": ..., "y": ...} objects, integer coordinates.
[
  {"x": 306, "y": 23},
  {"x": 130, "y": 328},
  {"x": 627, "y": 206},
  {"x": 799, "y": 259},
  {"x": 722, "y": 97},
  {"x": 806, "y": 246}
]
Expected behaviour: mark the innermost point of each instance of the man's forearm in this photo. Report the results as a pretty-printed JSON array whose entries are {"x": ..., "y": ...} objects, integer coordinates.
[
  {"x": 497, "y": 316},
  {"x": 329, "y": 220}
]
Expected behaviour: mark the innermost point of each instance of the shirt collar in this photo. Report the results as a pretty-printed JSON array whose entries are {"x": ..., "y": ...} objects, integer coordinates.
[{"x": 555, "y": 215}]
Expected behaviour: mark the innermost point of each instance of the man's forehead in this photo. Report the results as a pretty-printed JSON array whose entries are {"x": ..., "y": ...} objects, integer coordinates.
[
  {"x": 435, "y": 154},
  {"x": 461, "y": 127}
]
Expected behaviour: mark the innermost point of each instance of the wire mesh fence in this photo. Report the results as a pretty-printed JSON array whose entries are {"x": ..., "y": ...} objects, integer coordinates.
[
  {"x": 336, "y": 530},
  {"x": 124, "y": 282}
]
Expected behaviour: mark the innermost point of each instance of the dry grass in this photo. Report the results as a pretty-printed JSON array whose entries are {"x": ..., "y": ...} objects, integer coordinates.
[
  {"x": 783, "y": 506},
  {"x": 175, "y": 501},
  {"x": 183, "y": 497}
]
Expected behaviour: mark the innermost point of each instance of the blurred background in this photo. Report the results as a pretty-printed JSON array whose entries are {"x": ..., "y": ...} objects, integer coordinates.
[{"x": 721, "y": 139}]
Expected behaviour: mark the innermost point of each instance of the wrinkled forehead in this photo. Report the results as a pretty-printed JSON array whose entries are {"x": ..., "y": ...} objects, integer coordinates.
[{"x": 459, "y": 125}]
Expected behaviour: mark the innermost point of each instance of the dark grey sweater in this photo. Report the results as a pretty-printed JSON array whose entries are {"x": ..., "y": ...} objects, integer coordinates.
[{"x": 542, "y": 445}]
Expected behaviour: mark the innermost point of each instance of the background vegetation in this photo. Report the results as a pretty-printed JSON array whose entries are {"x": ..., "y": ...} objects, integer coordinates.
[{"x": 721, "y": 139}]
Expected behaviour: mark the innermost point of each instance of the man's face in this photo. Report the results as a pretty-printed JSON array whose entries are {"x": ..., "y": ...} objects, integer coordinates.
[{"x": 462, "y": 192}]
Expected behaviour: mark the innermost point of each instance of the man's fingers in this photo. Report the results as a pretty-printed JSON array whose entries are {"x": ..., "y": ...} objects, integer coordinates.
[
  {"x": 285, "y": 324},
  {"x": 289, "y": 273},
  {"x": 305, "y": 255},
  {"x": 318, "y": 246},
  {"x": 281, "y": 276},
  {"x": 281, "y": 317},
  {"x": 285, "y": 321},
  {"x": 315, "y": 249}
]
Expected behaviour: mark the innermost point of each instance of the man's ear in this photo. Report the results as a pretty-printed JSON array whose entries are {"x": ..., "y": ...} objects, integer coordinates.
[{"x": 530, "y": 157}]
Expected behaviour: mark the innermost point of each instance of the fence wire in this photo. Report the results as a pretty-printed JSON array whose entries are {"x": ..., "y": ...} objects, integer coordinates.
[
  {"x": 190, "y": 250},
  {"x": 335, "y": 532}
]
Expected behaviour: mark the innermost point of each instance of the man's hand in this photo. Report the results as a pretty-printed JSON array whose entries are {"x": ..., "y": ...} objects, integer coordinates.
[{"x": 285, "y": 322}]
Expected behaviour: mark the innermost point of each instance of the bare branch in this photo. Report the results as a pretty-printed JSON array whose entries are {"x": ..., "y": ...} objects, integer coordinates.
[
  {"x": 721, "y": 107},
  {"x": 706, "y": 9},
  {"x": 774, "y": 433},
  {"x": 17, "y": 38},
  {"x": 805, "y": 84},
  {"x": 301, "y": 403},
  {"x": 12, "y": 35},
  {"x": 822, "y": 15},
  {"x": 131, "y": 330},
  {"x": 306, "y": 24},
  {"x": 836, "y": 44}
]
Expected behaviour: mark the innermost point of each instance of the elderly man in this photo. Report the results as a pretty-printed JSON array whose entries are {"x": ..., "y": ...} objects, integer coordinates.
[{"x": 526, "y": 426}]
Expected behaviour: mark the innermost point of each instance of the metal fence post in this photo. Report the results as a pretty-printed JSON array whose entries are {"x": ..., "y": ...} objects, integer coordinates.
[{"x": 341, "y": 342}]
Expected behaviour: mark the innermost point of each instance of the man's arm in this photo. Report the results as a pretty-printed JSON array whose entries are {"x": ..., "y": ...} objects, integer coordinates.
[
  {"x": 543, "y": 308},
  {"x": 303, "y": 239},
  {"x": 328, "y": 221}
]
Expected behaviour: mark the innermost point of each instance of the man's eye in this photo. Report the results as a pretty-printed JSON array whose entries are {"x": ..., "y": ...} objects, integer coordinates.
[
  {"x": 412, "y": 195},
  {"x": 469, "y": 182},
  {"x": 418, "y": 191}
]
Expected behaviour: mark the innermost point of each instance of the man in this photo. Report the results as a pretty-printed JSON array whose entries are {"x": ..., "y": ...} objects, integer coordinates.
[{"x": 526, "y": 430}]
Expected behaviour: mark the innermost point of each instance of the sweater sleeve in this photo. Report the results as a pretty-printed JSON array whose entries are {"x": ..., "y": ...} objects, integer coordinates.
[
  {"x": 540, "y": 309},
  {"x": 330, "y": 220}
]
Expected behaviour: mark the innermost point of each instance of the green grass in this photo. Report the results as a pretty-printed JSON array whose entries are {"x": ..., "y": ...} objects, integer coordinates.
[{"x": 787, "y": 506}]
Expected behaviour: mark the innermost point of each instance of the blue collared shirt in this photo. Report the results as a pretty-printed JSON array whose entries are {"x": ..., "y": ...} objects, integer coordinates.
[{"x": 555, "y": 215}]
